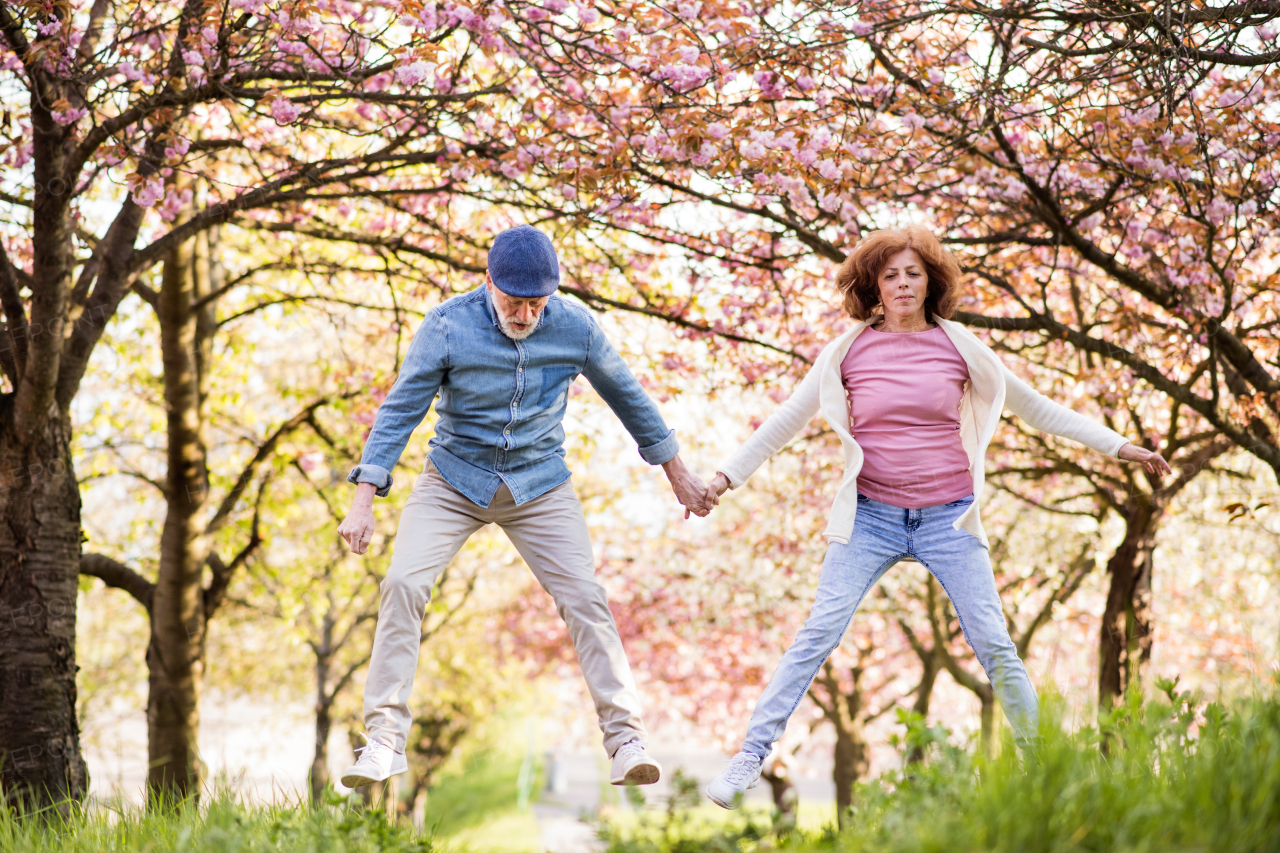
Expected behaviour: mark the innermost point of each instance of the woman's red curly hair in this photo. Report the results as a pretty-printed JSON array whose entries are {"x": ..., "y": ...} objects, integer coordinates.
[{"x": 860, "y": 273}]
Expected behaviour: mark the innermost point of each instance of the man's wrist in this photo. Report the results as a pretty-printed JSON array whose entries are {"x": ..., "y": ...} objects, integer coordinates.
[
  {"x": 674, "y": 467},
  {"x": 365, "y": 493}
]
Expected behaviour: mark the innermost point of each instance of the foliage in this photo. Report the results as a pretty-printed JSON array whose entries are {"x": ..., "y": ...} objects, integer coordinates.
[
  {"x": 681, "y": 828},
  {"x": 482, "y": 787},
  {"x": 223, "y": 826},
  {"x": 1110, "y": 180},
  {"x": 1173, "y": 774}
]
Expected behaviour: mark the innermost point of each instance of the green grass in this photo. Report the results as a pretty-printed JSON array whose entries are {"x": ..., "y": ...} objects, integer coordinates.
[
  {"x": 1165, "y": 776},
  {"x": 223, "y": 826},
  {"x": 476, "y": 806},
  {"x": 1170, "y": 775}
]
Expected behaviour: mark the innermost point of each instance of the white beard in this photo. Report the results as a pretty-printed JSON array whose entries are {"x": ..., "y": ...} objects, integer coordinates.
[{"x": 511, "y": 331}]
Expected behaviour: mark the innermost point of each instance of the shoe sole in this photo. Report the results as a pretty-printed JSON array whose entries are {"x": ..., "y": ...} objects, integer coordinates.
[
  {"x": 737, "y": 800},
  {"x": 645, "y": 773},
  {"x": 730, "y": 806},
  {"x": 356, "y": 780}
]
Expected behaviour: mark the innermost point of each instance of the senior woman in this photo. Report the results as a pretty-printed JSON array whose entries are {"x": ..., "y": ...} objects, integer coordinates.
[{"x": 914, "y": 398}]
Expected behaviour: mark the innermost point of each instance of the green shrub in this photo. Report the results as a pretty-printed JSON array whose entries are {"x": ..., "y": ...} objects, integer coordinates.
[
  {"x": 1156, "y": 777},
  {"x": 222, "y": 826},
  {"x": 1169, "y": 775}
]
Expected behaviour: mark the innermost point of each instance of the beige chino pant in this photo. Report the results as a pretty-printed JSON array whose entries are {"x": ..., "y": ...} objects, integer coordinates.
[{"x": 550, "y": 533}]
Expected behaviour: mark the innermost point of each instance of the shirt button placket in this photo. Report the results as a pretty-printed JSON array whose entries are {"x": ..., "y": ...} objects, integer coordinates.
[{"x": 515, "y": 400}]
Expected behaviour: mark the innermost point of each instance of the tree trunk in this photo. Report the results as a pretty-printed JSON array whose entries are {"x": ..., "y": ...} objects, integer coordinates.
[
  {"x": 324, "y": 713},
  {"x": 1124, "y": 642},
  {"x": 931, "y": 665},
  {"x": 40, "y": 760},
  {"x": 987, "y": 716},
  {"x": 320, "y": 763},
  {"x": 844, "y": 710},
  {"x": 175, "y": 655},
  {"x": 786, "y": 801},
  {"x": 852, "y": 761}
]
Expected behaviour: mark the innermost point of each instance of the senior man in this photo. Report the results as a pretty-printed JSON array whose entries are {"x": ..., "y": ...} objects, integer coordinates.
[{"x": 502, "y": 358}]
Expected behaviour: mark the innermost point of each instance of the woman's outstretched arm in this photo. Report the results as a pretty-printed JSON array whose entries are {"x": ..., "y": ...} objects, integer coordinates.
[
  {"x": 773, "y": 434},
  {"x": 1039, "y": 412}
]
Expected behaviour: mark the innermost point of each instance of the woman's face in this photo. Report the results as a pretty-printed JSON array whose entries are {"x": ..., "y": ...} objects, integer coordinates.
[{"x": 903, "y": 286}]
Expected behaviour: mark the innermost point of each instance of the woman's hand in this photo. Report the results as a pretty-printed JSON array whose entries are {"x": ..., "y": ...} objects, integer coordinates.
[
  {"x": 1153, "y": 461},
  {"x": 694, "y": 495},
  {"x": 719, "y": 484}
]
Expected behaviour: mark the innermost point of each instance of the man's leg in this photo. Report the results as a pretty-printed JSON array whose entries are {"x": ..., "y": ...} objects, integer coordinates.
[
  {"x": 434, "y": 525},
  {"x": 550, "y": 532}
]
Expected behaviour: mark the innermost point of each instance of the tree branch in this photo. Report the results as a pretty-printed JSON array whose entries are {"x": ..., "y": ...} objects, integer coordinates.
[
  {"x": 114, "y": 274},
  {"x": 1266, "y": 452},
  {"x": 221, "y": 572},
  {"x": 268, "y": 446},
  {"x": 118, "y": 576},
  {"x": 15, "y": 316}
]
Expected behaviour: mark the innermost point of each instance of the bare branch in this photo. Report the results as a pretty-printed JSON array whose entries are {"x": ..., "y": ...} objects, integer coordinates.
[
  {"x": 118, "y": 576},
  {"x": 265, "y": 449}
]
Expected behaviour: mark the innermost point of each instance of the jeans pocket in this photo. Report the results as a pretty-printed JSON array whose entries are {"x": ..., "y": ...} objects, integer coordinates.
[
  {"x": 863, "y": 499},
  {"x": 964, "y": 501}
]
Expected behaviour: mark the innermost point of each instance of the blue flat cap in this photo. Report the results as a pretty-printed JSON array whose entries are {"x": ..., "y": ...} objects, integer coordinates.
[{"x": 523, "y": 264}]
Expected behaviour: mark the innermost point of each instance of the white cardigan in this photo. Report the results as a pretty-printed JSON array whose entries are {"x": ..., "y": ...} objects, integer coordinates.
[{"x": 991, "y": 387}]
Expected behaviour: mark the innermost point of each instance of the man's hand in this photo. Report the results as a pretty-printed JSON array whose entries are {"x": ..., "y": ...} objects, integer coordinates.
[
  {"x": 694, "y": 495},
  {"x": 1153, "y": 462},
  {"x": 357, "y": 527}
]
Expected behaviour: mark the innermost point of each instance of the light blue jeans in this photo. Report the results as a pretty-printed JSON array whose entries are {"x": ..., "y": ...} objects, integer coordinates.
[{"x": 883, "y": 535}]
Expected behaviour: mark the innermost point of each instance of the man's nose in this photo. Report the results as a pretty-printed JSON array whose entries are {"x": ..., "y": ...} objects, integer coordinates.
[{"x": 525, "y": 314}]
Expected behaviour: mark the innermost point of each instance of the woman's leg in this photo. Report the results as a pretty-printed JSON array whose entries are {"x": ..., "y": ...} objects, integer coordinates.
[
  {"x": 848, "y": 572},
  {"x": 963, "y": 567}
]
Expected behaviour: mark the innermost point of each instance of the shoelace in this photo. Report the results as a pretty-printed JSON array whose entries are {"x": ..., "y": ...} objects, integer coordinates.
[
  {"x": 371, "y": 748},
  {"x": 741, "y": 768},
  {"x": 628, "y": 750}
]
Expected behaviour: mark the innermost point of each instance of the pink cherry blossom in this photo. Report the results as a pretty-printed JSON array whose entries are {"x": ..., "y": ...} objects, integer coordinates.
[
  {"x": 149, "y": 191},
  {"x": 177, "y": 148},
  {"x": 67, "y": 117},
  {"x": 414, "y": 73},
  {"x": 285, "y": 111}
]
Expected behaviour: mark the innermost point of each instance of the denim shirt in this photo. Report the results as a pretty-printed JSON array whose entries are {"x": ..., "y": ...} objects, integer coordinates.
[{"x": 502, "y": 401}]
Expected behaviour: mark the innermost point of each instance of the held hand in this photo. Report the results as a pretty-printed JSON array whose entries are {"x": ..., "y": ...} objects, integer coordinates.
[
  {"x": 694, "y": 495},
  {"x": 719, "y": 484},
  {"x": 1152, "y": 461},
  {"x": 357, "y": 527}
]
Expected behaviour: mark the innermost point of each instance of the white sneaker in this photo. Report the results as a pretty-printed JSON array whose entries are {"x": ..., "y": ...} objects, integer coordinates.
[
  {"x": 377, "y": 762},
  {"x": 743, "y": 773},
  {"x": 633, "y": 766}
]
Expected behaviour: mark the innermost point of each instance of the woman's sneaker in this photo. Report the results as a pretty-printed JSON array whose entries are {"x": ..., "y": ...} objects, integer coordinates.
[
  {"x": 633, "y": 766},
  {"x": 376, "y": 763},
  {"x": 742, "y": 774}
]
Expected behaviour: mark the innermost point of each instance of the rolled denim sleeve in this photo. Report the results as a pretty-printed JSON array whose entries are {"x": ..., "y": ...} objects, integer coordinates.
[
  {"x": 423, "y": 371},
  {"x": 619, "y": 388},
  {"x": 375, "y": 474}
]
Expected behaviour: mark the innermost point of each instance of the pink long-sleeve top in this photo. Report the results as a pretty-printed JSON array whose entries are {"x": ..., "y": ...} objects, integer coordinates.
[{"x": 904, "y": 392}]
